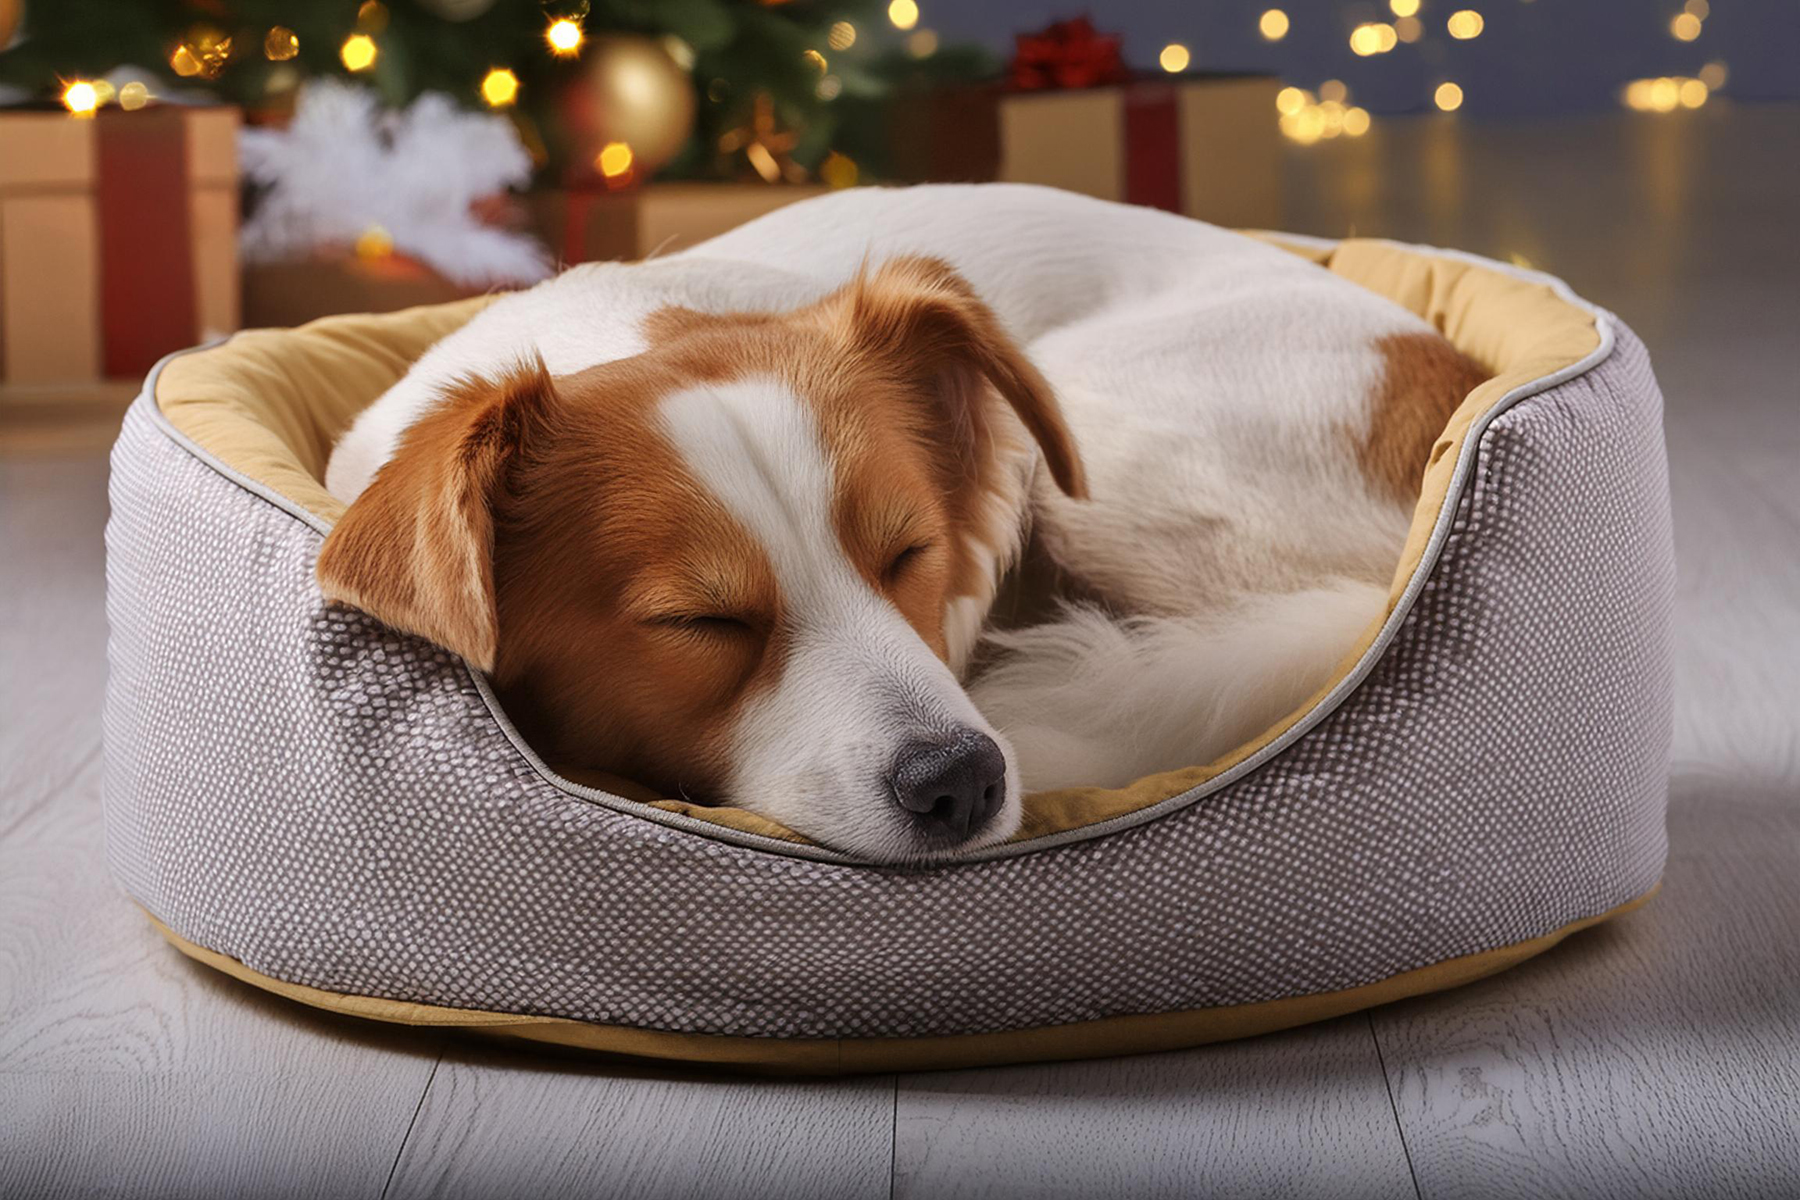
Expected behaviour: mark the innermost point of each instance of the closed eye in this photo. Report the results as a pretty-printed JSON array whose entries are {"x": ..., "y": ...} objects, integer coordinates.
[
  {"x": 908, "y": 557},
  {"x": 712, "y": 624}
]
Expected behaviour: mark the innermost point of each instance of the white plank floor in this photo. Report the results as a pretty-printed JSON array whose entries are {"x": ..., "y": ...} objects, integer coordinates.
[{"x": 1657, "y": 1057}]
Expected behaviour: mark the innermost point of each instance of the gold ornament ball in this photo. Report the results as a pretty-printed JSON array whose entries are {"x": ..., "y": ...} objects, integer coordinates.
[
  {"x": 629, "y": 91},
  {"x": 10, "y": 13}
]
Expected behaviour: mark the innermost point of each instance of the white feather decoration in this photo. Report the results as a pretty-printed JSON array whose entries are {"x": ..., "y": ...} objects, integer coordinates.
[{"x": 344, "y": 165}]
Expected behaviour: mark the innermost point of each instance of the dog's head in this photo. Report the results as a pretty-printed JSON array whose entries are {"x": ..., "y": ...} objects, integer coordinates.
[{"x": 744, "y": 566}]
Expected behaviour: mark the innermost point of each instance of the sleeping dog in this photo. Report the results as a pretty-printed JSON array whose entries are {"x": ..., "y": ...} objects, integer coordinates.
[{"x": 737, "y": 523}]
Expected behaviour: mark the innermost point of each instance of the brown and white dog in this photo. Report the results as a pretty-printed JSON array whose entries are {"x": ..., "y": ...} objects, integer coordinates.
[{"x": 733, "y": 523}]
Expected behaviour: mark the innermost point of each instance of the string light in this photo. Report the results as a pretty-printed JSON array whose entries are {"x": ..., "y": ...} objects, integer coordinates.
[
  {"x": 838, "y": 170},
  {"x": 1373, "y": 38},
  {"x": 358, "y": 52},
  {"x": 371, "y": 17},
  {"x": 374, "y": 243},
  {"x": 829, "y": 88},
  {"x": 499, "y": 87},
  {"x": 1685, "y": 27},
  {"x": 1714, "y": 74},
  {"x": 1448, "y": 97},
  {"x": 1334, "y": 89},
  {"x": 134, "y": 96},
  {"x": 81, "y": 98},
  {"x": 281, "y": 44},
  {"x": 1693, "y": 93},
  {"x": 1290, "y": 100},
  {"x": 903, "y": 13},
  {"x": 841, "y": 37},
  {"x": 1356, "y": 121},
  {"x": 614, "y": 160},
  {"x": 1404, "y": 8},
  {"x": 1174, "y": 58},
  {"x": 203, "y": 51},
  {"x": 1409, "y": 29},
  {"x": 1273, "y": 25},
  {"x": 564, "y": 37},
  {"x": 1699, "y": 8},
  {"x": 922, "y": 43},
  {"x": 1464, "y": 24},
  {"x": 815, "y": 60}
]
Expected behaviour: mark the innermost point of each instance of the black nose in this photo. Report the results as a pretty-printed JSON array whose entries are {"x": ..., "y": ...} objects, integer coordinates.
[{"x": 951, "y": 788}]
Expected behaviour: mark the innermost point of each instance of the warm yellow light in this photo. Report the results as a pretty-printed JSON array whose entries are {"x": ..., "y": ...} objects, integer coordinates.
[
  {"x": 829, "y": 88},
  {"x": 1373, "y": 38},
  {"x": 184, "y": 63},
  {"x": 1465, "y": 23},
  {"x": 1273, "y": 25},
  {"x": 1693, "y": 93},
  {"x": 838, "y": 170},
  {"x": 1289, "y": 100},
  {"x": 1700, "y": 8},
  {"x": 1306, "y": 126},
  {"x": 81, "y": 98},
  {"x": 134, "y": 96},
  {"x": 371, "y": 17},
  {"x": 374, "y": 242},
  {"x": 1637, "y": 94},
  {"x": 1356, "y": 121},
  {"x": 1685, "y": 27},
  {"x": 499, "y": 87},
  {"x": 1174, "y": 58},
  {"x": 1333, "y": 114},
  {"x": 903, "y": 13},
  {"x": 1409, "y": 29},
  {"x": 1665, "y": 95},
  {"x": 922, "y": 43},
  {"x": 1334, "y": 90},
  {"x": 358, "y": 52},
  {"x": 816, "y": 61},
  {"x": 1448, "y": 97},
  {"x": 614, "y": 159},
  {"x": 841, "y": 37},
  {"x": 564, "y": 37},
  {"x": 280, "y": 44},
  {"x": 1714, "y": 74},
  {"x": 1404, "y": 8}
]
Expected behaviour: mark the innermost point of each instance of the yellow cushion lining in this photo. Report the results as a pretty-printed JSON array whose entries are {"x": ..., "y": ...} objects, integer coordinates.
[{"x": 269, "y": 404}]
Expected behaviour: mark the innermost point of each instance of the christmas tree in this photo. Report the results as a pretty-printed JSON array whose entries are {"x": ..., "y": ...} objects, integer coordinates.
[{"x": 614, "y": 90}]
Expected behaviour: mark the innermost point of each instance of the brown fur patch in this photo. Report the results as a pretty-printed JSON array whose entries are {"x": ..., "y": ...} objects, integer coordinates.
[{"x": 1424, "y": 380}]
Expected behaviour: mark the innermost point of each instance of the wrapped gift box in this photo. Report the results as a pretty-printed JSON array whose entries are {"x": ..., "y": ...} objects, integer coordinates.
[
  {"x": 118, "y": 239},
  {"x": 1208, "y": 146},
  {"x": 601, "y": 226}
]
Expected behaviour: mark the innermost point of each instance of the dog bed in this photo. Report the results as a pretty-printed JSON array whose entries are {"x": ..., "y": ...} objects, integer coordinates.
[{"x": 340, "y": 813}]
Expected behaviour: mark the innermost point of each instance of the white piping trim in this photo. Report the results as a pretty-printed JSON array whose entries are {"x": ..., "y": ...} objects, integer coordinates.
[{"x": 1329, "y": 703}]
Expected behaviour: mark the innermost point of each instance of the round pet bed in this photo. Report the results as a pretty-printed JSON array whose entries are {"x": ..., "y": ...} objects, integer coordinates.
[{"x": 340, "y": 813}]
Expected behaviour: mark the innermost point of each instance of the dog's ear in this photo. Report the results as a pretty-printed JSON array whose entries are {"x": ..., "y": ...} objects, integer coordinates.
[
  {"x": 416, "y": 549},
  {"x": 927, "y": 318}
]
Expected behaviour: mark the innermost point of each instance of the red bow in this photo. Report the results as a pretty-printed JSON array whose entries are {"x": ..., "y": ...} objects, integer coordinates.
[{"x": 1067, "y": 54}]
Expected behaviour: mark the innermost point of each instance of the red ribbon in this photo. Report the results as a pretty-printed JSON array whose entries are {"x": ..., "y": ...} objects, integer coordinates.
[
  {"x": 147, "y": 302},
  {"x": 1066, "y": 54}
]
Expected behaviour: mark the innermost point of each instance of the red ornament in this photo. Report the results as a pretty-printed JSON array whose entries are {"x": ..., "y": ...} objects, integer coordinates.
[{"x": 1066, "y": 54}]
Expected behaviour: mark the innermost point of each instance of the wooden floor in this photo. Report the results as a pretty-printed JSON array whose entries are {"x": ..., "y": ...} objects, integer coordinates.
[{"x": 1658, "y": 1057}]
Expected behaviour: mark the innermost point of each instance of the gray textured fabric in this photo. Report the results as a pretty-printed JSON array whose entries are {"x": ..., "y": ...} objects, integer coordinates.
[{"x": 332, "y": 804}]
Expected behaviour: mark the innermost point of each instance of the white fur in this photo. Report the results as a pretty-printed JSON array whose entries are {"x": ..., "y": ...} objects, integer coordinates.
[
  {"x": 1215, "y": 385},
  {"x": 857, "y": 679},
  {"x": 1088, "y": 700}
]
